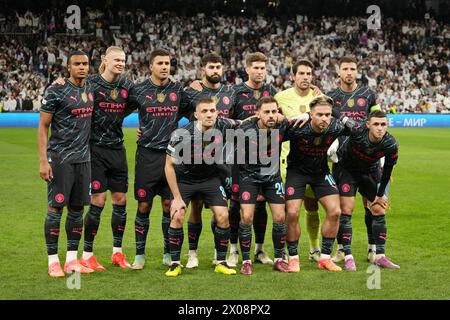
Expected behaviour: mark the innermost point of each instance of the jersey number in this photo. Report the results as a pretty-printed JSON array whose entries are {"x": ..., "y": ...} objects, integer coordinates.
[{"x": 280, "y": 188}]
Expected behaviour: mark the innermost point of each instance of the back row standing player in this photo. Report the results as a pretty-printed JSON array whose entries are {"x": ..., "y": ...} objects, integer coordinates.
[
  {"x": 293, "y": 102},
  {"x": 65, "y": 160},
  {"x": 223, "y": 96},
  {"x": 243, "y": 105},
  {"x": 161, "y": 103},
  {"x": 108, "y": 155},
  {"x": 355, "y": 102}
]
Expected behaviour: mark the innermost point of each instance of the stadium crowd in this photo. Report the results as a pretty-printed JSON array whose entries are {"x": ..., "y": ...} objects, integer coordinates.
[{"x": 406, "y": 62}]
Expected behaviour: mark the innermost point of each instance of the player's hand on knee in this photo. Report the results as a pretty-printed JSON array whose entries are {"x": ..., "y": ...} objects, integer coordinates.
[
  {"x": 177, "y": 206},
  {"x": 381, "y": 201},
  {"x": 45, "y": 171}
]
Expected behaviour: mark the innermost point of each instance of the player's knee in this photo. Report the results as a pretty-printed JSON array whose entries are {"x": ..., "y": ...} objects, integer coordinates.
[
  {"x": 377, "y": 210},
  {"x": 178, "y": 217},
  {"x": 334, "y": 214},
  {"x": 222, "y": 220},
  {"x": 144, "y": 207},
  {"x": 247, "y": 218},
  {"x": 55, "y": 210},
  {"x": 98, "y": 199},
  {"x": 292, "y": 209},
  {"x": 119, "y": 198},
  {"x": 278, "y": 218},
  {"x": 348, "y": 209},
  {"x": 165, "y": 203}
]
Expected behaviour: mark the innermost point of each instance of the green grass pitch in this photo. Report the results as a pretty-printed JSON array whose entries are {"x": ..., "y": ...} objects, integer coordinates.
[{"x": 418, "y": 238}]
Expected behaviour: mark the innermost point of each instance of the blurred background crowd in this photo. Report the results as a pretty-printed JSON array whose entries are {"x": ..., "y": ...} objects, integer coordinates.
[{"x": 406, "y": 60}]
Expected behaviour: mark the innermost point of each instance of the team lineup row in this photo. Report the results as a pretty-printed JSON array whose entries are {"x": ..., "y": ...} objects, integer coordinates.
[{"x": 85, "y": 154}]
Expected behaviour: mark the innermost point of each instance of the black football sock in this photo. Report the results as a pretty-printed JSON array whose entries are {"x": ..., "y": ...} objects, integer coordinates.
[
  {"x": 327, "y": 245},
  {"x": 176, "y": 237},
  {"x": 368, "y": 221},
  {"x": 279, "y": 239},
  {"x": 165, "y": 223},
  {"x": 141, "y": 226},
  {"x": 91, "y": 224},
  {"x": 345, "y": 231},
  {"x": 118, "y": 223},
  {"x": 245, "y": 239},
  {"x": 51, "y": 229},
  {"x": 260, "y": 221},
  {"x": 221, "y": 239},
  {"x": 74, "y": 228},
  {"x": 379, "y": 230},
  {"x": 194, "y": 231},
  {"x": 234, "y": 217}
]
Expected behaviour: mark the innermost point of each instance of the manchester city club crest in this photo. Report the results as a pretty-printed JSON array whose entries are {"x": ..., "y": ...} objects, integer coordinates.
[
  {"x": 317, "y": 141},
  {"x": 84, "y": 97},
  {"x": 302, "y": 108},
  {"x": 256, "y": 94},
  {"x": 160, "y": 97},
  {"x": 114, "y": 94},
  {"x": 350, "y": 103}
]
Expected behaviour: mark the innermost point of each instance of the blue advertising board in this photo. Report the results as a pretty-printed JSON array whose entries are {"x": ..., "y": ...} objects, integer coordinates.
[{"x": 31, "y": 120}]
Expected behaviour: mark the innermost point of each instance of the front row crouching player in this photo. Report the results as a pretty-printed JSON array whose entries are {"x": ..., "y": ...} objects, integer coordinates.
[
  {"x": 357, "y": 169},
  {"x": 307, "y": 164},
  {"x": 191, "y": 172},
  {"x": 261, "y": 173},
  {"x": 65, "y": 160}
]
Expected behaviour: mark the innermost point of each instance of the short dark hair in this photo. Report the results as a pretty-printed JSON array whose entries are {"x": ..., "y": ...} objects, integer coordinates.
[
  {"x": 158, "y": 52},
  {"x": 348, "y": 59},
  {"x": 76, "y": 53},
  {"x": 210, "y": 57},
  {"x": 255, "y": 57},
  {"x": 265, "y": 100},
  {"x": 204, "y": 100},
  {"x": 302, "y": 62},
  {"x": 377, "y": 114},
  {"x": 323, "y": 99}
]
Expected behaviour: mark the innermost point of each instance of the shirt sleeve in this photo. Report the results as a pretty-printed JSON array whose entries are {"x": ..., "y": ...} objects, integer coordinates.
[
  {"x": 51, "y": 100},
  {"x": 175, "y": 143},
  {"x": 186, "y": 103}
]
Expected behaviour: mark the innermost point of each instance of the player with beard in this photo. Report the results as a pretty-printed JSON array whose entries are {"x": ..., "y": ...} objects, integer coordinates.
[
  {"x": 307, "y": 164},
  {"x": 247, "y": 95},
  {"x": 355, "y": 102},
  {"x": 223, "y": 96},
  {"x": 293, "y": 102},
  {"x": 259, "y": 176}
]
